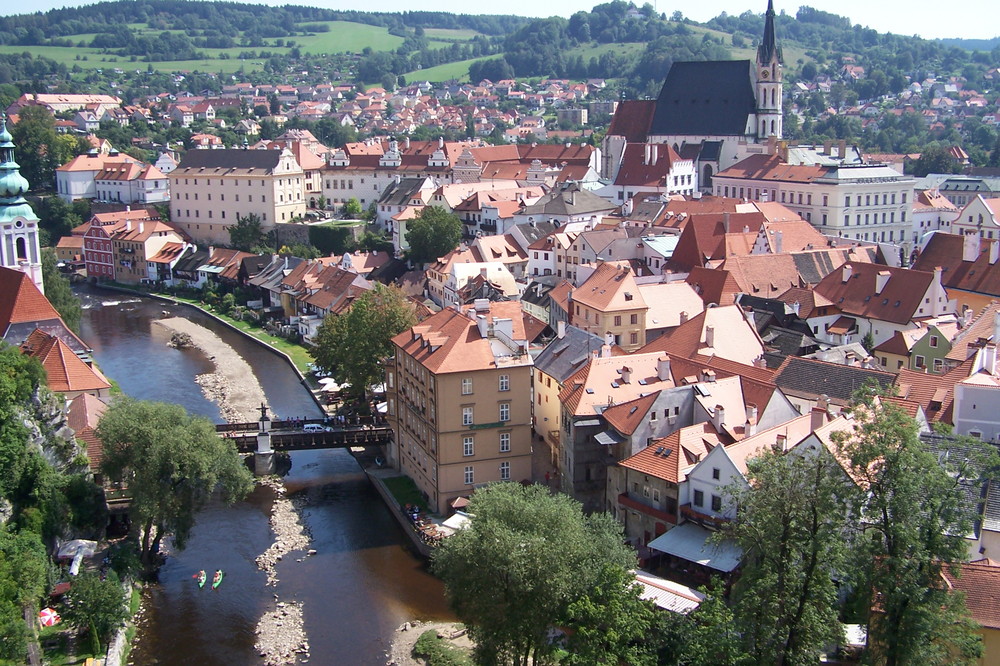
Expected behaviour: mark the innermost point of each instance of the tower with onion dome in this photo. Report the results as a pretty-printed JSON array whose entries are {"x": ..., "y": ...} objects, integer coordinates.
[{"x": 19, "y": 247}]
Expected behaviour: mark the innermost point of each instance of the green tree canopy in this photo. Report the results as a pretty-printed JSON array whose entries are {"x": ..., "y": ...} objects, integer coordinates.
[
  {"x": 40, "y": 149},
  {"x": 915, "y": 516},
  {"x": 791, "y": 526},
  {"x": 23, "y": 576},
  {"x": 95, "y": 605},
  {"x": 525, "y": 558},
  {"x": 352, "y": 345},
  {"x": 247, "y": 234},
  {"x": 58, "y": 291},
  {"x": 432, "y": 234},
  {"x": 171, "y": 462}
]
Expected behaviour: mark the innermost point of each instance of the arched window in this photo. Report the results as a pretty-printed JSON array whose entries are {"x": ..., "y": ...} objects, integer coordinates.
[
  {"x": 772, "y": 97},
  {"x": 21, "y": 248},
  {"x": 772, "y": 128},
  {"x": 706, "y": 177}
]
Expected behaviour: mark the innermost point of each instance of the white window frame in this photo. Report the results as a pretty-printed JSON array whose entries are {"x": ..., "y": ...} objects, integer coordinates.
[
  {"x": 504, "y": 442},
  {"x": 467, "y": 386},
  {"x": 468, "y": 445},
  {"x": 505, "y": 470},
  {"x": 468, "y": 416},
  {"x": 470, "y": 475},
  {"x": 504, "y": 382},
  {"x": 504, "y": 412}
]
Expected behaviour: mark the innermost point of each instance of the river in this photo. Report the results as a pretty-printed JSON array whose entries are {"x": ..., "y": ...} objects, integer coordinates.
[{"x": 361, "y": 584}]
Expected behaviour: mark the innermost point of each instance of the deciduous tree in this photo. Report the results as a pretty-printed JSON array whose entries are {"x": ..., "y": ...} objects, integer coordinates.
[
  {"x": 247, "y": 234},
  {"x": 525, "y": 558},
  {"x": 97, "y": 606},
  {"x": 352, "y": 345},
  {"x": 171, "y": 463},
  {"x": 792, "y": 527},
  {"x": 432, "y": 234},
  {"x": 915, "y": 515},
  {"x": 58, "y": 291}
]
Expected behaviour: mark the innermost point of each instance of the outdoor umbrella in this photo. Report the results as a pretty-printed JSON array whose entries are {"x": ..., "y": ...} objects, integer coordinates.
[{"x": 48, "y": 617}]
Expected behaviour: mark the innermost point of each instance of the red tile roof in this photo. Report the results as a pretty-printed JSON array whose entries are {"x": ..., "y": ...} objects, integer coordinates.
[
  {"x": 898, "y": 302},
  {"x": 980, "y": 581},
  {"x": 65, "y": 371},
  {"x": 632, "y": 119},
  {"x": 21, "y": 301}
]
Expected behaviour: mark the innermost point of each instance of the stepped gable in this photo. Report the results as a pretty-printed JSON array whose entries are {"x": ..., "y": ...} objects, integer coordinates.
[{"x": 711, "y": 98}]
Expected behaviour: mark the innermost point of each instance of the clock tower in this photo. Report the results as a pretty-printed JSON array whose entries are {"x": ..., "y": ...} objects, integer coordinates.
[
  {"x": 19, "y": 247},
  {"x": 768, "y": 85}
]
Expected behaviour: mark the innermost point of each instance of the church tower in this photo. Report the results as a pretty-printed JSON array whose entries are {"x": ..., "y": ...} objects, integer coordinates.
[
  {"x": 768, "y": 81},
  {"x": 19, "y": 247}
]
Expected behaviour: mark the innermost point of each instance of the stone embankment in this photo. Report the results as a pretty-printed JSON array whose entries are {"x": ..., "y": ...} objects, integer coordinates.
[{"x": 281, "y": 637}]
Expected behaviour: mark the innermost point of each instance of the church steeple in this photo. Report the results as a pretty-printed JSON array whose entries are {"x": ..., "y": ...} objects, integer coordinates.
[
  {"x": 768, "y": 50},
  {"x": 19, "y": 247},
  {"x": 768, "y": 83}
]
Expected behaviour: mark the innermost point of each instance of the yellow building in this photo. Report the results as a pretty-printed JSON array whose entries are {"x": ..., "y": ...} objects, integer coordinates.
[
  {"x": 211, "y": 189},
  {"x": 459, "y": 400},
  {"x": 609, "y": 303}
]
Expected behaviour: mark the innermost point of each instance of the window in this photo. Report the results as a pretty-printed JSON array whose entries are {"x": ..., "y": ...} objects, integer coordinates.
[
  {"x": 716, "y": 503},
  {"x": 934, "y": 341},
  {"x": 505, "y": 411},
  {"x": 505, "y": 471},
  {"x": 468, "y": 446},
  {"x": 469, "y": 475},
  {"x": 715, "y": 473},
  {"x": 919, "y": 362},
  {"x": 504, "y": 382},
  {"x": 466, "y": 415},
  {"x": 633, "y": 338},
  {"x": 467, "y": 386},
  {"x": 504, "y": 442},
  {"x": 699, "y": 498},
  {"x": 618, "y": 320},
  {"x": 633, "y": 319},
  {"x": 656, "y": 495}
]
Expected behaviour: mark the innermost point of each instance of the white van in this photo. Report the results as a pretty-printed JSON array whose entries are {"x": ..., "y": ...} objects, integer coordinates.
[{"x": 315, "y": 427}]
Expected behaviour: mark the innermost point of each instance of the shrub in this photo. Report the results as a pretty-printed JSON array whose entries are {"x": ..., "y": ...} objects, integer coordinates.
[{"x": 437, "y": 652}]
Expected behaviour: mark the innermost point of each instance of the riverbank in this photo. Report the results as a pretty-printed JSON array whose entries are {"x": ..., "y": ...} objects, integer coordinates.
[
  {"x": 406, "y": 636},
  {"x": 281, "y": 637}
]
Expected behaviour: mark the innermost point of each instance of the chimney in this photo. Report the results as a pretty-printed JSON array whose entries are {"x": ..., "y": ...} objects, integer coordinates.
[
  {"x": 996, "y": 326},
  {"x": 817, "y": 418},
  {"x": 725, "y": 223},
  {"x": 708, "y": 376},
  {"x": 609, "y": 339},
  {"x": 778, "y": 242},
  {"x": 718, "y": 417},
  {"x": 752, "y": 413},
  {"x": 605, "y": 351},
  {"x": 561, "y": 330},
  {"x": 128, "y": 225},
  {"x": 709, "y": 336},
  {"x": 994, "y": 251},
  {"x": 848, "y": 271},
  {"x": 684, "y": 316},
  {"x": 483, "y": 323},
  {"x": 780, "y": 441},
  {"x": 626, "y": 374},
  {"x": 141, "y": 225},
  {"x": 970, "y": 247},
  {"x": 881, "y": 279},
  {"x": 827, "y": 145},
  {"x": 843, "y": 149},
  {"x": 647, "y": 152},
  {"x": 663, "y": 368},
  {"x": 988, "y": 358},
  {"x": 407, "y": 142}
]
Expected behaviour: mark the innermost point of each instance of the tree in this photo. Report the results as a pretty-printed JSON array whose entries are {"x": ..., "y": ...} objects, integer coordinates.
[
  {"x": 352, "y": 345},
  {"x": 353, "y": 209},
  {"x": 611, "y": 624},
  {"x": 58, "y": 291},
  {"x": 432, "y": 234},
  {"x": 791, "y": 526},
  {"x": 543, "y": 554},
  {"x": 915, "y": 517},
  {"x": 171, "y": 463},
  {"x": 247, "y": 234},
  {"x": 96, "y": 606},
  {"x": 23, "y": 569},
  {"x": 934, "y": 159},
  {"x": 38, "y": 145},
  {"x": 709, "y": 634}
]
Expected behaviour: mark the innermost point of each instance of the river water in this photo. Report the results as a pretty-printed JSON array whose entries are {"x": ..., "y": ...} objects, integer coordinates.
[{"x": 362, "y": 583}]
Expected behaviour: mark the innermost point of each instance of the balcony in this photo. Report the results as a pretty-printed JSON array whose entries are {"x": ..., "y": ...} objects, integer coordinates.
[{"x": 629, "y": 503}]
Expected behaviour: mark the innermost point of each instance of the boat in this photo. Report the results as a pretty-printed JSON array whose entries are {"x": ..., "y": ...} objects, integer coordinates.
[
  {"x": 217, "y": 578},
  {"x": 201, "y": 578}
]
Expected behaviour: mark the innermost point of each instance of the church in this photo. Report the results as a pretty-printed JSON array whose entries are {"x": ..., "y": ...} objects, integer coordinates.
[
  {"x": 19, "y": 247},
  {"x": 712, "y": 113}
]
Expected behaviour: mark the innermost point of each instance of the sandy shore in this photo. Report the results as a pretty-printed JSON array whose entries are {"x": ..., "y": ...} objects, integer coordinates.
[
  {"x": 233, "y": 386},
  {"x": 401, "y": 653},
  {"x": 281, "y": 638}
]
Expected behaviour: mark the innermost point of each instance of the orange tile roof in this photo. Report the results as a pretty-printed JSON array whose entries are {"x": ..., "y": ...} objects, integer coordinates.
[
  {"x": 449, "y": 341},
  {"x": 980, "y": 327},
  {"x": 898, "y": 301},
  {"x": 625, "y": 417},
  {"x": 64, "y": 369},
  {"x": 610, "y": 288},
  {"x": 678, "y": 452},
  {"x": 601, "y": 383},
  {"x": 82, "y": 415},
  {"x": 21, "y": 301},
  {"x": 935, "y": 393},
  {"x": 980, "y": 581}
]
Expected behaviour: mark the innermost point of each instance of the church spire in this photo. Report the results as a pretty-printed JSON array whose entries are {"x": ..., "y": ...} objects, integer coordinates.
[
  {"x": 18, "y": 223},
  {"x": 768, "y": 50}
]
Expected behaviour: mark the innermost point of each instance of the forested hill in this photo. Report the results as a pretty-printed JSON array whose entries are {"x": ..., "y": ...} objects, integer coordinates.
[{"x": 223, "y": 19}]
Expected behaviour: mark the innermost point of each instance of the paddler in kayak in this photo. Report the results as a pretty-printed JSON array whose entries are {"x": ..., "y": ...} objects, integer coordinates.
[{"x": 217, "y": 578}]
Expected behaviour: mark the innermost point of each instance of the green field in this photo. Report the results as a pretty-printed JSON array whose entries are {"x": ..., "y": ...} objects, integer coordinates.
[
  {"x": 596, "y": 51},
  {"x": 449, "y": 33},
  {"x": 446, "y": 72}
]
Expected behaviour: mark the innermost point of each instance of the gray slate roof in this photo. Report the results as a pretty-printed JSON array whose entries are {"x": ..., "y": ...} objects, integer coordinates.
[
  {"x": 712, "y": 98},
  {"x": 564, "y": 356}
]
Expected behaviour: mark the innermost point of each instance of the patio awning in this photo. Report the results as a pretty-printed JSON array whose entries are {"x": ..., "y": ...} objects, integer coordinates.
[{"x": 688, "y": 542}]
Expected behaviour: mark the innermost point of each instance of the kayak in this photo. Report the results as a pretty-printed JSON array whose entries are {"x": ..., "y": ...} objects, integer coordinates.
[
  {"x": 201, "y": 578},
  {"x": 217, "y": 579}
]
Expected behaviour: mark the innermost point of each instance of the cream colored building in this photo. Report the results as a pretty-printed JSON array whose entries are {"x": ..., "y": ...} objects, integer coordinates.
[
  {"x": 210, "y": 189},
  {"x": 609, "y": 304},
  {"x": 459, "y": 401}
]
